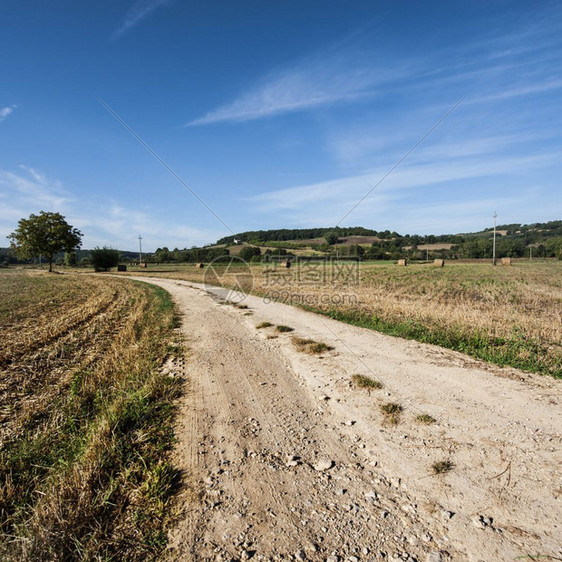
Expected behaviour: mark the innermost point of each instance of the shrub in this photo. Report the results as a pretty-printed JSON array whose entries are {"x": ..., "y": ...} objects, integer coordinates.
[{"x": 104, "y": 258}]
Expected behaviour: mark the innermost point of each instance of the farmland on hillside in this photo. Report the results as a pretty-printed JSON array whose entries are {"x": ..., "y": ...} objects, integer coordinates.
[
  {"x": 85, "y": 417},
  {"x": 507, "y": 315}
]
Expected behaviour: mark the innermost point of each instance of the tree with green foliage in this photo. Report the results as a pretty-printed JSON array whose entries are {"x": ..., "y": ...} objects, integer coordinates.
[
  {"x": 45, "y": 234},
  {"x": 104, "y": 258},
  {"x": 248, "y": 252}
]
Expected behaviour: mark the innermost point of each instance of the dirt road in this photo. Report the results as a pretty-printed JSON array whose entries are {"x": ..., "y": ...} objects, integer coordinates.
[{"x": 285, "y": 460}]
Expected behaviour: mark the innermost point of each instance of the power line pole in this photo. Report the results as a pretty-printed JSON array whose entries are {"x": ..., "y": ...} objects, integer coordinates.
[
  {"x": 140, "y": 249},
  {"x": 494, "y": 250}
]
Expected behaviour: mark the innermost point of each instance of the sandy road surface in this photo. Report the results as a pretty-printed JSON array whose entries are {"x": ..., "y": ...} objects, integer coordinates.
[{"x": 285, "y": 460}]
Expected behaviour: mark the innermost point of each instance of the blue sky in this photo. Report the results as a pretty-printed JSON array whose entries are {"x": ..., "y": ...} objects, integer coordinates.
[{"x": 279, "y": 114}]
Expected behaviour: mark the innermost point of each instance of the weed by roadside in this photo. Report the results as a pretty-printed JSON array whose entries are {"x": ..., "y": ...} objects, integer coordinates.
[
  {"x": 391, "y": 411},
  {"x": 426, "y": 419},
  {"x": 264, "y": 325},
  {"x": 441, "y": 467},
  {"x": 310, "y": 346},
  {"x": 362, "y": 381},
  {"x": 282, "y": 328}
]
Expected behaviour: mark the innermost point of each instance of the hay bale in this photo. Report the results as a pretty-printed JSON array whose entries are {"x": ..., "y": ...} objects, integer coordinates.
[
  {"x": 143, "y": 264},
  {"x": 121, "y": 268},
  {"x": 506, "y": 261},
  {"x": 286, "y": 264},
  {"x": 438, "y": 263},
  {"x": 402, "y": 262},
  {"x": 199, "y": 265}
]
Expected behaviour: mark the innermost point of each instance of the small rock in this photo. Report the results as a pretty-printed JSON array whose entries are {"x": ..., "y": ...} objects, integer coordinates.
[
  {"x": 324, "y": 398},
  {"x": 333, "y": 558},
  {"x": 353, "y": 559},
  {"x": 446, "y": 515},
  {"x": 395, "y": 482},
  {"x": 350, "y": 422},
  {"x": 300, "y": 555},
  {"x": 365, "y": 550},
  {"x": 323, "y": 465},
  {"x": 292, "y": 460},
  {"x": 434, "y": 557},
  {"x": 478, "y": 522}
]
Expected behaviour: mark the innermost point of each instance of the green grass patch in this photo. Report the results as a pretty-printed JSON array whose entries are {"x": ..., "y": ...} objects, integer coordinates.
[{"x": 516, "y": 351}]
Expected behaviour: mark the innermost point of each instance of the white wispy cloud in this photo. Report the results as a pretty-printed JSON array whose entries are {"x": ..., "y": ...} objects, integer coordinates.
[
  {"x": 521, "y": 90},
  {"x": 313, "y": 82},
  {"x": 105, "y": 223},
  {"x": 32, "y": 190},
  {"x": 5, "y": 111},
  {"x": 139, "y": 11},
  {"x": 331, "y": 200}
]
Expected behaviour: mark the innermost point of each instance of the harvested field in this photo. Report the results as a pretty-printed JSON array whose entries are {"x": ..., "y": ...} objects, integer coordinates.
[
  {"x": 85, "y": 417},
  {"x": 506, "y": 315}
]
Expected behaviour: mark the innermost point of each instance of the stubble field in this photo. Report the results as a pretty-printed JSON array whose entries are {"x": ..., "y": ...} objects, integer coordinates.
[{"x": 85, "y": 417}]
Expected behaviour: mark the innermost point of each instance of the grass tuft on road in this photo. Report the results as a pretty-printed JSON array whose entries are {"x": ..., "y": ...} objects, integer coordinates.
[
  {"x": 307, "y": 345},
  {"x": 362, "y": 381},
  {"x": 391, "y": 411},
  {"x": 441, "y": 467}
]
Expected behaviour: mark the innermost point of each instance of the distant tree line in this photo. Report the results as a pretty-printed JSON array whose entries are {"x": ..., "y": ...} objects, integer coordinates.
[
  {"x": 193, "y": 255},
  {"x": 283, "y": 234}
]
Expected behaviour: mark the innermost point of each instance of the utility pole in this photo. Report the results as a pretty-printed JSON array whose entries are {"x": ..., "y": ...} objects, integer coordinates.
[
  {"x": 494, "y": 250},
  {"x": 530, "y": 252},
  {"x": 140, "y": 249},
  {"x": 427, "y": 254}
]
